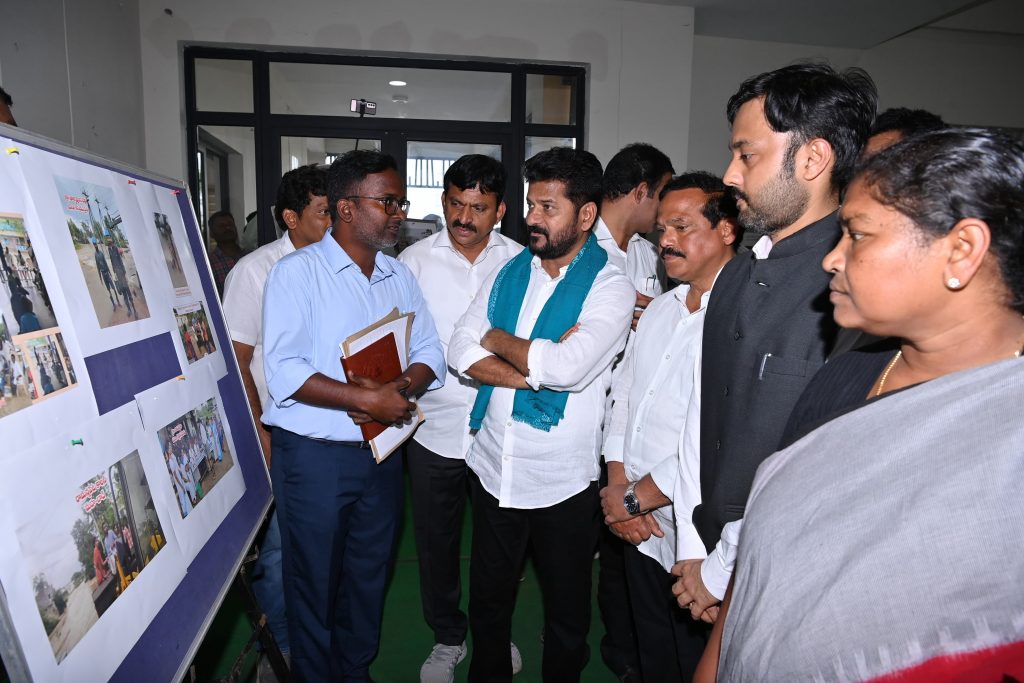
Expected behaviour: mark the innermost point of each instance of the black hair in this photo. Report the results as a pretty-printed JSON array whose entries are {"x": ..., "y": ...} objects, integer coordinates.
[
  {"x": 720, "y": 203},
  {"x": 5, "y": 97},
  {"x": 906, "y": 121},
  {"x": 634, "y": 164},
  {"x": 350, "y": 169},
  {"x": 480, "y": 171},
  {"x": 813, "y": 100},
  {"x": 295, "y": 190},
  {"x": 216, "y": 216},
  {"x": 578, "y": 170},
  {"x": 937, "y": 179}
]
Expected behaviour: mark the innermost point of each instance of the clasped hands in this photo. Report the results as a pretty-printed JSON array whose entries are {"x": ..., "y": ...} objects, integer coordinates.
[
  {"x": 385, "y": 402},
  {"x": 631, "y": 529}
]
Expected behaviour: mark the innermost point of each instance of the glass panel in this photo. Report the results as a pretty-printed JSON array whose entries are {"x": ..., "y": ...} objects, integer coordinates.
[
  {"x": 224, "y": 85},
  {"x": 299, "y": 151},
  {"x": 550, "y": 99},
  {"x": 227, "y": 179},
  {"x": 328, "y": 89},
  {"x": 426, "y": 163},
  {"x": 536, "y": 145}
]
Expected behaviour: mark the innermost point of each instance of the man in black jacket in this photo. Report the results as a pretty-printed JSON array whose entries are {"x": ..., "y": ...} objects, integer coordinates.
[{"x": 796, "y": 134}]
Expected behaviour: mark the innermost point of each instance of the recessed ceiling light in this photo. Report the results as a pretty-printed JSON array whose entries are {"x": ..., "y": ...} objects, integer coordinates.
[{"x": 397, "y": 84}]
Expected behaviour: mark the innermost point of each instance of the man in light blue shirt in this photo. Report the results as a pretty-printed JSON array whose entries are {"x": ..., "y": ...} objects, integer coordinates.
[{"x": 339, "y": 510}]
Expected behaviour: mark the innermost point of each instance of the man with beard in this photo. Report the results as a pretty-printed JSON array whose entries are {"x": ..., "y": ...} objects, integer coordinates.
[
  {"x": 657, "y": 403},
  {"x": 338, "y": 509},
  {"x": 540, "y": 337},
  {"x": 796, "y": 135},
  {"x": 450, "y": 267}
]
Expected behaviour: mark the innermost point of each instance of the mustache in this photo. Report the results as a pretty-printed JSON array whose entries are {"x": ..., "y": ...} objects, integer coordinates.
[
  {"x": 669, "y": 251},
  {"x": 464, "y": 226},
  {"x": 537, "y": 230}
]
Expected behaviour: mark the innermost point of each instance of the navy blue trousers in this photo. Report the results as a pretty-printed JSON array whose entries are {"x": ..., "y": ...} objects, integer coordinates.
[{"x": 339, "y": 513}]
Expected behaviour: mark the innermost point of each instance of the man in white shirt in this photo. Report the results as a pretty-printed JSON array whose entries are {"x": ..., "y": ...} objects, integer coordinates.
[
  {"x": 657, "y": 395},
  {"x": 540, "y": 337},
  {"x": 450, "y": 267},
  {"x": 629, "y": 204},
  {"x": 302, "y": 214}
]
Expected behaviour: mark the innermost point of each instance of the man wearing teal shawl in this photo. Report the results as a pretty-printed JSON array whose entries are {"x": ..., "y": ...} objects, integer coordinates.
[{"x": 540, "y": 338}]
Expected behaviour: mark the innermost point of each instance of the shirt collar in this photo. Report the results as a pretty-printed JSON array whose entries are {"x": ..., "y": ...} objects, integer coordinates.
[
  {"x": 762, "y": 247},
  {"x": 338, "y": 259},
  {"x": 683, "y": 289},
  {"x": 444, "y": 239}
]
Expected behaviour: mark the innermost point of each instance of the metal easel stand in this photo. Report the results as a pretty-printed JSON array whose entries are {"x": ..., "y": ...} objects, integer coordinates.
[{"x": 261, "y": 630}]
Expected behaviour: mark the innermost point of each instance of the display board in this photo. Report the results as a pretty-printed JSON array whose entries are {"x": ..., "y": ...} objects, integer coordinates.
[{"x": 132, "y": 478}]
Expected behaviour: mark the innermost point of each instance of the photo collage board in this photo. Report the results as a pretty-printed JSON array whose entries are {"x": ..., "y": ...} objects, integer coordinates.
[{"x": 105, "y": 509}]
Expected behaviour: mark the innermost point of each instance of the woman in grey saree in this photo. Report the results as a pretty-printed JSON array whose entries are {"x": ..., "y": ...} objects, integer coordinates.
[{"x": 888, "y": 543}]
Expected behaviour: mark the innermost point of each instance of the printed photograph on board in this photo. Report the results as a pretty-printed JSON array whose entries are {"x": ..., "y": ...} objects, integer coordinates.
[
  {"x": 104, "y": 254},
  {"x": 194, "y": 330},
  {"x": 89, "y": 549},
  {"x": 24, "y": 302},
  {"x": 170, "y": 252},
  {"x": 196, "y": 453}
]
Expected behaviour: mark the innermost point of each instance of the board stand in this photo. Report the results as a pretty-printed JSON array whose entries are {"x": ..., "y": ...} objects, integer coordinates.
[{"x": 261, "y": 629}]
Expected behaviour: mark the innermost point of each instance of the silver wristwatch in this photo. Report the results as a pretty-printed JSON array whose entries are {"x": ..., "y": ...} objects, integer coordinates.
[{"x": 630, "y": 501}]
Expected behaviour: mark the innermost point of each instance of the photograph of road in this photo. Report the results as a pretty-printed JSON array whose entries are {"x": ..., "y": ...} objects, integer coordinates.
[
  {"x": 89, "y": 548},
  {"x": 197, "y": 454},
  {"x": 174, "y": 269},
  {"x": 104, "y": 254}
]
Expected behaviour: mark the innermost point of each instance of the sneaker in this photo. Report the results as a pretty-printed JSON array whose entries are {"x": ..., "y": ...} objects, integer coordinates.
[
  {"x": 517, "y": 660},
  {"x": 440, "y": 665}
]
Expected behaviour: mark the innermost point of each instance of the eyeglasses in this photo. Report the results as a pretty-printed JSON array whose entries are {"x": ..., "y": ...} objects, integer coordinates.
[{"x": 391, "y": 204}]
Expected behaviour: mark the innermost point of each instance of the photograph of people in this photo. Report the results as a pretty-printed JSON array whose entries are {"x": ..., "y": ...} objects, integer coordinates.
[
  {"x": 163, "y": 228},
  {"x": 195, "y": 332},
  {"x": 89, "y": 550},
  {"x": 24, "y": 301},
  {"x": 196, "y": 453},
  {"x": 104, "y": 254}
]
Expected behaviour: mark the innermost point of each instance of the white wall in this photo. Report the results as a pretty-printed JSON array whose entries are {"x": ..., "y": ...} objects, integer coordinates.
[
  {"x": 73, "y": 71},
  {"x": 965, "y": 77},
  {"x": 639, "y": 54}
]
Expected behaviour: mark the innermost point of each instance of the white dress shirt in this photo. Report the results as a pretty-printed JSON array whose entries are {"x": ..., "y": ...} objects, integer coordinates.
[
  {"x": 653, "y": 395},
  {"x": 449, "y": 283},
  {"x": 639, "y": 262},
  {"x": 717, "y": 568},
  {"x": 243, "y": 302},
  {"x": 521, "y": 466}
]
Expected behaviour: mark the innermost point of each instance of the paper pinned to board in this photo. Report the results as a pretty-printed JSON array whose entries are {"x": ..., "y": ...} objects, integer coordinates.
[{"x": 400, "y": 327}]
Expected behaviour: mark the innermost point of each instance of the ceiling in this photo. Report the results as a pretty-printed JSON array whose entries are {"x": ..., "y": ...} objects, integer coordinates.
[{"x": 848, "y": 23}]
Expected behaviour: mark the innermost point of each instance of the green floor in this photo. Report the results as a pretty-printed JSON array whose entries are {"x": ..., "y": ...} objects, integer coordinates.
[{"x": 406, "y": 640}]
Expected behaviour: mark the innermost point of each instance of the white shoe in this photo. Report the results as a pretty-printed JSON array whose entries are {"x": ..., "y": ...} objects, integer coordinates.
[
  {"x": 517, "y": 660},
  {"x": 440, "y": 665}
]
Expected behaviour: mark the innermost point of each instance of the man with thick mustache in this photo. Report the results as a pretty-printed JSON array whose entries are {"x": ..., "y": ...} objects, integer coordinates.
[
  {"x": 656, "y": 404},
  {"x": 797, "y": 133},
  {"x": 339, "y": 510},
  {"x": 450, "y": 267},
  {"x": 540, "y": 337}
]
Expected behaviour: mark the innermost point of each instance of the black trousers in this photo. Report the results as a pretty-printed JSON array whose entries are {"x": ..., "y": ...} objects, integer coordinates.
[
  {"x": 670, "y": 642},
  {"x": 561, "y": 539},
  {"x": 439, "y": 488},
  {"x": 618, "y": 646},
  {"x": 339, "y": 513}
]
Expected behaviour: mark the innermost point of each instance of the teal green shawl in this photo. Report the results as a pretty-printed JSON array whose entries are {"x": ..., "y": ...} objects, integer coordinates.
[{"x": 540, "y": 409}]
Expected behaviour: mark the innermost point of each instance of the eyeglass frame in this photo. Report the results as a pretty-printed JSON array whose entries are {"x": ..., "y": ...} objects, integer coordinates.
[{"x": 399, "y": 204}]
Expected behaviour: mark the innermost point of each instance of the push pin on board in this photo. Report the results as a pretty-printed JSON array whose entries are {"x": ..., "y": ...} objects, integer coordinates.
[
  {"x": 176, "y": 192},
  {"x": 77, "y": 442},
  {"x": 12, "y": 150},
  {"x": 131, "y": 181},
  {"x": 180, "y": 378}
]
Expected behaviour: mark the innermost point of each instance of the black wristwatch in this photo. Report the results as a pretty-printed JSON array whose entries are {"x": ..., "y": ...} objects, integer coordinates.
[{"x": 630, "y": 501}]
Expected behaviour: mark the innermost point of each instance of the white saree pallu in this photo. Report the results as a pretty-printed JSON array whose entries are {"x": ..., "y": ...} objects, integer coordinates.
[{"x": 888, "y": 545}]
